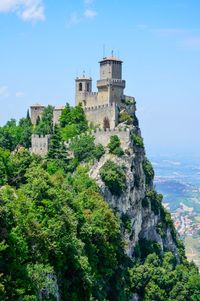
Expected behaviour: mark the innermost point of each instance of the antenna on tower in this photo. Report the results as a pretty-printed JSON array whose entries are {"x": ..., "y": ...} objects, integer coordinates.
[
  {"x": 83, "y": 73},
  {"x": 112, "y": 53}
]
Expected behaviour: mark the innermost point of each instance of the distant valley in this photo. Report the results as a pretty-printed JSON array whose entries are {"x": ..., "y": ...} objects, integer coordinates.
[{"x": 178, "y": 179}]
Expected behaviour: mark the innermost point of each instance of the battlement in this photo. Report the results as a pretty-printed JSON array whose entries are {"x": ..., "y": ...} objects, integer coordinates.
[
  {"x": 36, "y": 136},
  {"x": 103, "y": 137},
  {"x": 112, "y": 81},
  {"x": 98, "y": 114},
  {"x": 99, "y": 107},
  {"x": 40, "y": 144},
  {"x": 88, "y": 93}
]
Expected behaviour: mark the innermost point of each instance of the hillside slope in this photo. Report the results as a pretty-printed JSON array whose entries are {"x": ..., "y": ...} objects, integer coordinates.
[{"x": 85, "y": 223}]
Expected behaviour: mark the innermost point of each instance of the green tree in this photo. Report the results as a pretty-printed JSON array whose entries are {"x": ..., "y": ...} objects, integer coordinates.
[
  {"x": 148, "y": 171},
  {"x": 114, "y": 177},
  {"x": 44, "y": 125},
  {"x": 4, "y": 166},
  {"x": 83, "y": 147},
  {"x": 73, "y": 116},
  {"x": 114, "y": 146},
  {"x": 57, "y": 149}
]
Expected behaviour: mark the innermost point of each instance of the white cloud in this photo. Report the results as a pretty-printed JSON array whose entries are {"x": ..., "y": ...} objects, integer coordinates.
[
  {"x": 89, "y": 13},
  {"x": 19, "y": 94},
  {"x": 78, "y": 17},
  {"x": 4, "y": 92},
  {"x": 27, "y": 10}
]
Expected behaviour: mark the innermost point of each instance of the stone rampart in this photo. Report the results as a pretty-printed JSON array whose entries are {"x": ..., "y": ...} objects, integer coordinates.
[
  {"x": 40, "y": 144},
  {"x": 103, "y": 137},
  {"x": 97, "y": 114}
]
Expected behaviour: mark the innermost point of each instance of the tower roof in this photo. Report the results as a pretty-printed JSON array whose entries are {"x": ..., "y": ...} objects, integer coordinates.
[
  {"x": 58, "y": 108},
  {"x": 111, "y": 58},
  {"x": 82, "y": 78},
  {"x": 37, "y": 105}
]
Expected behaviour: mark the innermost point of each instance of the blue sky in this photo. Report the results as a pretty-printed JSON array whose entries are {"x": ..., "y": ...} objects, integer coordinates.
[{"x": 44, "y": 44}]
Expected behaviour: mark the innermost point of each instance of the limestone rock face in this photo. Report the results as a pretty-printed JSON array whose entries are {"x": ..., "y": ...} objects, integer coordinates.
[{"x": 143, "y": 221}]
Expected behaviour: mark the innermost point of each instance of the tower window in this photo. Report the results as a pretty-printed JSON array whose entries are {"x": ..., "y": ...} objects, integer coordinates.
[
  {"x": 88, "y": 87},
  {"x": 80, "y": 87}
]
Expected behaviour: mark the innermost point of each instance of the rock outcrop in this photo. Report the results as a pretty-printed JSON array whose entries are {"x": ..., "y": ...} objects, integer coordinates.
[{"x": 144, "y": 222}]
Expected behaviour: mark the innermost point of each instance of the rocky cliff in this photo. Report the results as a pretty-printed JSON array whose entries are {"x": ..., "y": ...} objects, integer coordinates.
[{"x": 138, "y": 204}]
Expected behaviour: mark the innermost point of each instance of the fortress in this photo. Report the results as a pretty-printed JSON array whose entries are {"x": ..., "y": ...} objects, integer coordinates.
[{"x": 101, "y": 108}]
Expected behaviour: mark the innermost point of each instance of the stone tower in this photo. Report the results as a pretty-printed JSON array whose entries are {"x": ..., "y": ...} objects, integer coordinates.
[
  {"x": 57, "y": 113},
  {"x": 36, "y": 110},
  {"x": 83, "y": 89},
  {"x": 110, "y": 86},
  {"x": 40, "y": 144}
]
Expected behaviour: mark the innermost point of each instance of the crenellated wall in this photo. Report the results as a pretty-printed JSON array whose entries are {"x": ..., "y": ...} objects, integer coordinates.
[
  {"x": 103, "y": 137},
  {"x": 40, "y": 145},
  {"x": 97, "y": 114}
]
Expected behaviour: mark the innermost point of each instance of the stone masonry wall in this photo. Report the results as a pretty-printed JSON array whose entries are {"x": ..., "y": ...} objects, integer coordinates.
[
  {"x": 40, "y": 145},
  {"x": 56, "y": 115},
  {"x": 35, "y": 112},
  {"x": 96, "y": 115},
  {"x": 103, "y": 137}
]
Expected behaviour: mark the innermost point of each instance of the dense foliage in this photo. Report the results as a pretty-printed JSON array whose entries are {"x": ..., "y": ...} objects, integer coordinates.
[
  {"x": 125, "y": 117},
  {"x": 113, "y": 176},
  {"x": 58, "y": 236},
  {"x": 84, "y": 148},
  {"x": 58, "y": 230},
  {"x": 72, "y": 122},
  {"x": 114, "y": 146},
  {"x": 13, "y": 134},
  {"x": 148, "y": 171},
  {"x": 44, "y": 124},
  {"x": 137, "y": 140},
  {"x": 160, "y": 278}
]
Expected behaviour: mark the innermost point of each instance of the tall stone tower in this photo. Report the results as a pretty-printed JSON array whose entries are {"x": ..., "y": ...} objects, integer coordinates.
[
  {"x": 36, "y": 111},
  {"x": 83, "y": 89},
  {"x": 110, "y": 86}
]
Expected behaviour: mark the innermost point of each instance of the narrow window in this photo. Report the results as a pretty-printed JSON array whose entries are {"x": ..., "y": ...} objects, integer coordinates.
[
  {"x": 80, "y": 87},
  {"x": 88, "y": 87}
]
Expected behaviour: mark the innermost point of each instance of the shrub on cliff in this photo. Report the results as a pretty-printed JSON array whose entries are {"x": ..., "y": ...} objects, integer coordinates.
[
  {"x": 137, "y": 140},
  {"x": 114, "y": 146},
  {"x": 124, "y": 116},
  {"x": 148, "y": 170},
  {"x": 99, "y": 151},
  {"x": 84, "y": 148},
  {"x": 114, "y": 177}
]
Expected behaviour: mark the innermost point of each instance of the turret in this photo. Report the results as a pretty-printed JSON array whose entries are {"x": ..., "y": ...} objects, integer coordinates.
[
  {"x": 36, "y": 111},
  {"x": 83, "y": 88},
  {"x": 110, "y": 67},
  {"x": 111, "y": 86}
]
